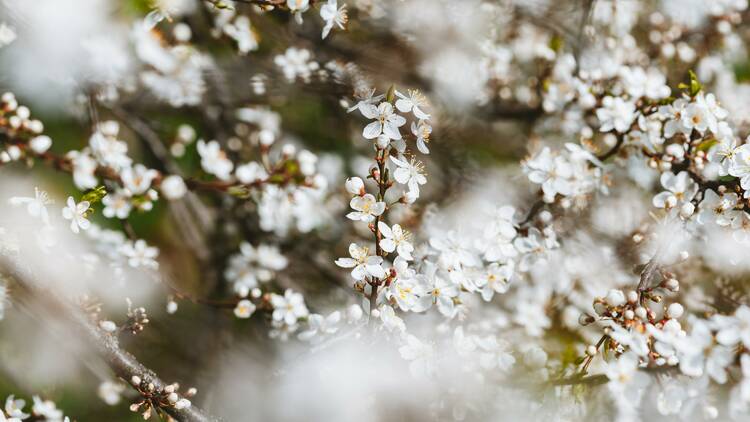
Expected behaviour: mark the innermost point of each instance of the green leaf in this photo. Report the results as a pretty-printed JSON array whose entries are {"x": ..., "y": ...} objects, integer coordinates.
[
  {"x": 391, "y": 95},
  {"x": 707, "y": 144},
  {"x": 695, "y": 86},
  {"x": 94, "y": 195},
  {"x": 556, "y": 43},
  {"x": 239, "y": 191}
]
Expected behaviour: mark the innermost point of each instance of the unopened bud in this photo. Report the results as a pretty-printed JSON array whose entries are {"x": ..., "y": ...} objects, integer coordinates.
[
  {"x": 615, "y": 297},
  {"x": 672, "y": 284},
  {"x": 641, "y": 312},
  {"x": 585, "y": 319},
  {"x": 675, "y": 310},
  {"x": 632, "y": 296},
  {"x": 687, "y": 210}
]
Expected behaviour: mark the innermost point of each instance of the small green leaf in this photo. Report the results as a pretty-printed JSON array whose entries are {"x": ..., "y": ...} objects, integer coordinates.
[
  {"x": 239, "y": 191},
  {"x": 556, "y": 43},
  {"x": 707, "y": 144},
  {"x": 695, "y": 86},
  {"x": 94, "y": 195},
  {"x": 391, "y": 95}
]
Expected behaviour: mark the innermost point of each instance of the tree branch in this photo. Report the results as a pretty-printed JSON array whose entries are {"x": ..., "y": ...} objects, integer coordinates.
[{"x": 120, "y": 361}]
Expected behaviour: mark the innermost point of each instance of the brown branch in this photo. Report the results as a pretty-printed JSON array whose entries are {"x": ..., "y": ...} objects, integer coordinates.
[{"x": 120, "y": 361}]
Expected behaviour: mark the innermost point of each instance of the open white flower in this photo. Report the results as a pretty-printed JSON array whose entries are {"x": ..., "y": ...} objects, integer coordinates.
[
  {"x": 496, "y": 279},
  {"x": 140, "y": 254},
  {"x": 244, "y": 309},
  {"x": 296, "y": 62},
  {"x": 387, "y": 121},
  {"x": 14, "y": 409},
  {"x": 36, "y": 206},
  {"x": 333, "y": 15},
  {"x": 214, "y": 160},
  {"x": 553, "y": 172},
  {"x": 725, "y": 150},
  {"x": 421, "y": 356},
  {"x": 320, "y": 326},
  {"x": 439, "y": 290},
  {"x": 410, "y": 173},
  {"x": 138, "y": 179},
  {"x": 288, "y": 308},
  {"x": 76, "y": 213},
  {"x": 366, "y": 208},
  {"x": 412, "y": 103},
  {"x": 365, "y": 97},
  {"x": 46, "y": 408},
  {"x": 616, "y": 114},
  {"x": 362, "y": 263},
  {"x": 718, "y": 209},
  {"x": 395, "y": 239},
  {"x": 680, "y": 189},
  {"x": 422, "y": 131},
  {"x": 117, "y": 204}
]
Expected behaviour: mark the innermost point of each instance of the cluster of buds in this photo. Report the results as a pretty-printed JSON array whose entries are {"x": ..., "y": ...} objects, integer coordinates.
[
  {"x": 631, "y": 311},
  {"x": 156, "y": 399},
  {"x": 137, "y": 319},
  {"x": 19, "y": 131}
]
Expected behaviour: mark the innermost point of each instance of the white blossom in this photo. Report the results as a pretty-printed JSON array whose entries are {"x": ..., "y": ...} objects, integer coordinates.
[
  {"x": 386, "y": 122},
  {"x": 77, "y": 214},
  {"x": 288, "y": 308},
  {"x": 333, "y": 15},
  {"x": 214, "y": 160}
]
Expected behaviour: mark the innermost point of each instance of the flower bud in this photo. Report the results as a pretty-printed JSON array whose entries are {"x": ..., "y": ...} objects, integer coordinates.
[
  {"x": 641, "y": 313},
  {"x": 632, "y": 296},
  {"x": 354, "y": 313},
  {"x": 672, "y": 285},
  {"x": 710, "y": 412},
  {"x": 675, "y": 310},
  {"x": 615, "y": 297},
  {"x": 266, "y": 137},
  {"x": 40, "y": 144},
  {"x": 585, "y": 319},
  {"x": 173, "y": 187},
  {"x": 687, "y": 210},
  {"x": 382, "y": 141},
  {"x": 288, "y": 150},
  {"x": 182, "y": 404},
  {"x": 108, "y": 326},
  {"x": 171, "y": 307},
  {"x": 591, "y": 350},
  {"x": 355, "y": 186}
]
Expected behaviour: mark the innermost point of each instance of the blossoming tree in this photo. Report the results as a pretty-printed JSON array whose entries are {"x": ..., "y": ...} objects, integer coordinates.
[{"x": 422, "y": 210}]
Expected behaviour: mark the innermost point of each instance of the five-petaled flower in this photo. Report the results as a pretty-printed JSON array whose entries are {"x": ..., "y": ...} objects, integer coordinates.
[{"x": 77, "y": 214}]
